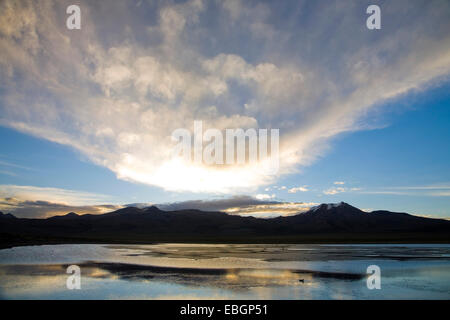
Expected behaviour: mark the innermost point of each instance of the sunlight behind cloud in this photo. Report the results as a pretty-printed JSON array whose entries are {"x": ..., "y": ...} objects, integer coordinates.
[{"x": 116, "y": 94}]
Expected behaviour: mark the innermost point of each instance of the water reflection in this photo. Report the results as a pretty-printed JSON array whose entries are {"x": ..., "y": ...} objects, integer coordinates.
[{"x": 177, "y": 271}]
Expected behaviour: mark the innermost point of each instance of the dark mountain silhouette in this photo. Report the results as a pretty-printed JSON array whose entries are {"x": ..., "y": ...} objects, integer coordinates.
[
  {"x": 325, "y": 223},
  {"x": 70, "y": 215},
  {"x": 6, "y": 216},
  {"x": 343, "y": 217}
]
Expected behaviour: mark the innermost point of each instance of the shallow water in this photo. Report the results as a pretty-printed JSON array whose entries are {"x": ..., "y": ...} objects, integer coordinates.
[{"x": 224, "y": 271}]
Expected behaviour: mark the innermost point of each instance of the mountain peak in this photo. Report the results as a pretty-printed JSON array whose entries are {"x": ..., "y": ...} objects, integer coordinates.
[
  {"x": 331, "y": 206},
  {"x": 137, "y": 210},
  {"x": 68, "y": 215},
  {"x": 71, "y": 214},
  {"x": 152, "y": 209}
]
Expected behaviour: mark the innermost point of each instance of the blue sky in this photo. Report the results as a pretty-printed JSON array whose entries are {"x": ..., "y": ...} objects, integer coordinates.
[{"x": 86, "y": 115}]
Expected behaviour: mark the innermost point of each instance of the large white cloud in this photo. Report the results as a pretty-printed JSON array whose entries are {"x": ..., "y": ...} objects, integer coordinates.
[{"x": 116, "y": 89}]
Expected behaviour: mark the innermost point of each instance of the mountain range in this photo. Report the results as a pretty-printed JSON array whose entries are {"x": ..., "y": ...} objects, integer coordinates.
[{"x": 339, "y": 222}]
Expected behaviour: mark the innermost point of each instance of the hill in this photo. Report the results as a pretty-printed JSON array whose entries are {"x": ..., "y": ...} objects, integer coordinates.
[{"x": 326, "y": 223}]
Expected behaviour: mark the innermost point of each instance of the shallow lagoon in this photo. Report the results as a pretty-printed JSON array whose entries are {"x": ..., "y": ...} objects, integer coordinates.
[{"x": 226, "y": 271}]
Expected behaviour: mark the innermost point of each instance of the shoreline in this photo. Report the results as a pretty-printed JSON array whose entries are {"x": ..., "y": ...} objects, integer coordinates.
[{"x": 268, "y": 241}]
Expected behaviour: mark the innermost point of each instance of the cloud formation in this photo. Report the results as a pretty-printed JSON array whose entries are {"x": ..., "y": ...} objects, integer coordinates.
[
  {"x": 45, "y": 209},
  {"x": 332, "y": 191},
  {"x": 298, "y": 189},
  {"x": 116, "y": 89},
  {"x": 64, "y": 196},
  {"x": 38, "y": 202},
  {"x": 436, "y": 190},
  {"x": 242, "y": 205},
  {"x": 265, "y": 196}
]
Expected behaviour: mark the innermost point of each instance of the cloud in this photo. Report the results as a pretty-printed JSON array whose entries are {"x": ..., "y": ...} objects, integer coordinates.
[
  {"x": 339, "y": 182},
  {"x": 9, "y": 169},
  {"x": 242, "y": 205},
  {"x": 214, "y": 204},
  {"x": 45, "y": 209},
  {"x": 440, "y": 194},
  {"x": 437, "y": 190},
  {"x": 8, "y": 173},
  {"x": 333, "y": 191},
  {"x": 264, "y": 196},
  {"x": 38, "y": 202},
  {"x": 116, "y": 89},
  {"x": 272, "y": 209},
  {"x": 276, "y": 188},
  {"x": 297, "y": 189},
  {"x": 55, "y": 195},
  {"x": 13, "y": 165}
]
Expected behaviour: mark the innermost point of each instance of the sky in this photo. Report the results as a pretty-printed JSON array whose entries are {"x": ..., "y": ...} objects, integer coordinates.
[{"x": 86, "y": 116}]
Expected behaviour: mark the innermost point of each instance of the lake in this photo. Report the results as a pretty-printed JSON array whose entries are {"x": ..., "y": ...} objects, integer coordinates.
[{"x": 226, "y": 271}]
